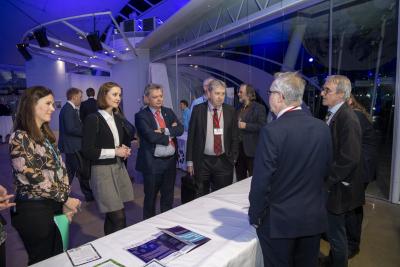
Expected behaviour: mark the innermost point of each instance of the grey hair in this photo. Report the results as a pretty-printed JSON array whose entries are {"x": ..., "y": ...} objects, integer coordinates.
[
  {"x": 291, "y": 85},
  {"x": 343, "y": 84},
  {"x": 152, "y": 86},
  {"x": 215, "y": 84}
]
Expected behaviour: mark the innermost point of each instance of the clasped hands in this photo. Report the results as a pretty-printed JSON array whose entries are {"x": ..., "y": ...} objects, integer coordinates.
[
  {"x": 123, "y": 152},
  {"x": 161, "y": 130}
]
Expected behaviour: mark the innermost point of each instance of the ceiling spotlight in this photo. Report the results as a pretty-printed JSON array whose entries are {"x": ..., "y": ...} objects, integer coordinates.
[
  {"x": 190, "y": 55},
  {"x": 57, "y": 45},
  {"x": 112, "y": 51},
  {"x": 94, "y": 56},
  {"x": 311, "y": 59},
  {"x": 80, "y": 37},
  {"x": 85, "y": 61},
  {"x": 105, "y": 52},
  {"x": 127, "y": 49},
  {"x": 76, "y": 65},
  {"x": 60, "y": 44},
  {"x": 59, "y": 59},
  {"x": 114, "y": 56},
  {"x": 53, "y": 52},
  {"x": 92, "y": 66}
]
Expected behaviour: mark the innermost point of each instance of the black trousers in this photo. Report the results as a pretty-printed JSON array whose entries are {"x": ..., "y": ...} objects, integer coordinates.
[
  {"x": 3, "y": 254},
  {"x": 244, "y": 165},
  {"x": 215, "y": 172},
  {"x": 72, "y": 165},
  {"x": 288, "y": 252},
  {"x": 34, "y": 223},
  {"x": 162, "y": 181}
]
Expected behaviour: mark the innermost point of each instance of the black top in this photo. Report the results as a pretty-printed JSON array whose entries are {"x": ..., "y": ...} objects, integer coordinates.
[
  {"x": 97, "y": 135},
  {"x": 87, "y": 107}
]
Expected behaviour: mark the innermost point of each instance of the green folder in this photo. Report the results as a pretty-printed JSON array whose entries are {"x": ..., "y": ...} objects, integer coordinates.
[{"x": 63, "y": 226}]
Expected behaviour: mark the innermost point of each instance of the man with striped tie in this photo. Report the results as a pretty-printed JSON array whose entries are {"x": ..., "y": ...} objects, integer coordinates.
[{"x": 212, "y": 145}]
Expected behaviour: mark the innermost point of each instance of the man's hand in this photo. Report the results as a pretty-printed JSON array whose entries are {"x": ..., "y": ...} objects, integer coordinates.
[
  {"x": 242, "y": 125},
  {"x": 158, "y": 131},
  {"x": 5, "y": 199},
  {"x": 190, "y": 170},
  {"x": 174, "y": 124}
]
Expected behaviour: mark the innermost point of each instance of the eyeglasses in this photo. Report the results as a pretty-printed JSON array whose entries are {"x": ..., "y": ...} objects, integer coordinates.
[{"x": 327, "y": 90}]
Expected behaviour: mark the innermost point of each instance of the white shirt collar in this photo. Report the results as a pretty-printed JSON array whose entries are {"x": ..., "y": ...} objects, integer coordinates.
[
  {"x": 72, "y": 104},
  {"x": 286, "y": 109},
  {"x": 211, "y": 107},
  {"x": 335, "y": 108},
  {"x": 106, "y": 115}
]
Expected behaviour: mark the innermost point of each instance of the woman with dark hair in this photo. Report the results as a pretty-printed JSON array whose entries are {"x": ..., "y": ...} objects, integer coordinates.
[
  {"x": 41, "y": 179},
  {"x": 102, "y": 144},
  {"x": 369, "y": 154},
  {"x": 5, "y": 203}
]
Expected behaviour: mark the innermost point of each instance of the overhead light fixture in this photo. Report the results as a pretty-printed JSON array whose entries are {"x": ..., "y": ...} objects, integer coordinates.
[
  {"x": 60, "y": 44},
  {"x": 105, "y": 52},
  {"x": 127, "y": 49},
  {"x": 22, "y": 48},
  {"x": 94, "y": 41},
  {"x": 80, "y": 36},
  {"x": 59, "y": 59},
  {"x": 41, "y": 37},
  {"x": 112, "y": 51},
  {"x": 53, "y": 52},
  {"x": 85, "y": 61},
  {"x": 57, "y": 45},
  {"x": 114, "y": 56}
]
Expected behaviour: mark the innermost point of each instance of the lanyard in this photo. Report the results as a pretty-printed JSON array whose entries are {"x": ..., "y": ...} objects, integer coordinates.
[{"x": 53, "y": 153}]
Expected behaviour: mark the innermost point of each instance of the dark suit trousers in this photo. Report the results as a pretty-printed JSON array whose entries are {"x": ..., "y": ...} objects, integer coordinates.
[
  {"x": 288, "y": 252},
  {"x": 337, "y": 239},
  {"x": 3, "y": 254},
  {"x": 215, "y": 173},
  {"x": 163, "y": 181},
  {"x": 244, "y": 166},
  {"x": 72, "y": 165}
]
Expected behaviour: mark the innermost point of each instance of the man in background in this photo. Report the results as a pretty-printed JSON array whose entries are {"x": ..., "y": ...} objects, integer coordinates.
[
  {"x": 204, "y": 97},
  {"x": 185, "y": 114},
  {"x": 251, "y": 118},
  {"x": 70, "y": 139},
  {"x": 88, "y": 106}
]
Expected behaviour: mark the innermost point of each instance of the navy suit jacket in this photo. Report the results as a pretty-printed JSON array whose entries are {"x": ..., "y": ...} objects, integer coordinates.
[
  {"x": 287, "y": 194},
  {"x": 70, "y": 127},
  {"x": 145, "y": 125}
]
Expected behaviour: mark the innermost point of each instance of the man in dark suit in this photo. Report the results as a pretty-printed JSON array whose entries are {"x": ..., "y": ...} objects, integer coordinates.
[
  {"x": 251, "y": 118},
  {"x": 287, "y": 196},
  {"x": 70, "y": 138},
  {"x": 88, "y": 106},
  {"x": 212, "y": 145},
  {"x": 157, "y": 127},
  {"x": 344, "y": 183}
]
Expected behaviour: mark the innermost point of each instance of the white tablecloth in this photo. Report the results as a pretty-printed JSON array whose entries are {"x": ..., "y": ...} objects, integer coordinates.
[
  {"x": 221, "y": 216},
  {"x": 182, "y": 140},
  {"x": 6, "y": 125}
]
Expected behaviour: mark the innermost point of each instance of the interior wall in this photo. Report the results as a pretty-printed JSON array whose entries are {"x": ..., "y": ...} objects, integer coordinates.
[{"x": 83, "y": 82}]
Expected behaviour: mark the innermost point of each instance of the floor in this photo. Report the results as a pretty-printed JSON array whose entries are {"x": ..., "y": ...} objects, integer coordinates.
[{"x": 380, "y": 241}]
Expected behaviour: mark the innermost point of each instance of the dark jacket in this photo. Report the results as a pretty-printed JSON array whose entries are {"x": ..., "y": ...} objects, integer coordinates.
[
  {"x": 347, "y": 165},
  {"x": 70, "y": 127},
  {"x": 255, "y": 118},
  {"x": 198, "y": 131},
  {"x": 145, "y": 125},
  {"x": 97, "y": 135},
  {"x": 287, "y": 192},
  {"x": 369, "y": 147},
  {"x": 87, "y": 107}
]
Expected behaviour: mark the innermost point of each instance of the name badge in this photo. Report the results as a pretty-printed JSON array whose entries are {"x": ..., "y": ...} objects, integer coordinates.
[{"x": 218, "y": 131}]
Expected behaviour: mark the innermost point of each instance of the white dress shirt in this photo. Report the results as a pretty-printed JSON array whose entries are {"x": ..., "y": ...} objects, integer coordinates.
[{"x": 107, "y": 153}]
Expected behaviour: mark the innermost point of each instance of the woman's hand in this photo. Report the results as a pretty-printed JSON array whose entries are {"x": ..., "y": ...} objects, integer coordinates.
[
  {"x": 5, "y": 199},
  {"x": 71, "y": 206}
]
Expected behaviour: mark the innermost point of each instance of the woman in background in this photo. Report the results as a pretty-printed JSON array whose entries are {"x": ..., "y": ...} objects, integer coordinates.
[
  {"x": 41, "y": 180},
  {"x": 102, "y": 144},
  {"x": 369, "y": 157}
]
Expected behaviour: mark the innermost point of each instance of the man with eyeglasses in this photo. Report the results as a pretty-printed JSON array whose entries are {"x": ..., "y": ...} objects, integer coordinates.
[
  {"x": 344, "y": 183},
  {"x": 287, "y": 196}
]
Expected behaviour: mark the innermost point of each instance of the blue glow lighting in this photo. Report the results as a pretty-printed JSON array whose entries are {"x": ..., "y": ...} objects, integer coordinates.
[{"x": 311, "y": 59}]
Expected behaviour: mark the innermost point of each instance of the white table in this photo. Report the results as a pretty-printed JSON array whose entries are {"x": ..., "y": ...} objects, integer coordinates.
[
  {"x": 182, "y": 140},
  {"x": 221, "y": 216},
  {"x": 6, "y": 125}
]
